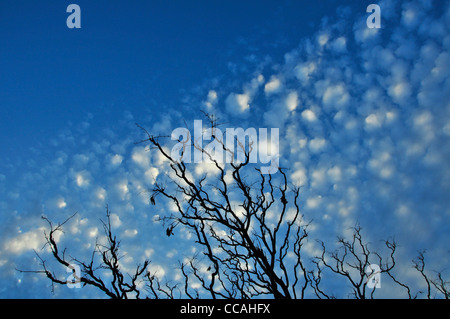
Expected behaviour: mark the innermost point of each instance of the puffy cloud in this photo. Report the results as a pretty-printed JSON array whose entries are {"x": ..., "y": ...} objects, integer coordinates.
[
  {"x": 273, "y": 86},
  {"x": 366, "y": 36},
  {"x": 130, "y": 232},
  {"x": 317, "y": 144},
  {"x": 335, "y": 96},
  {"x": 61, "y": 203},
  {"x": 400, "y": 91},
  {"x": 31, "y": 240},
  {"x": 372, "y": 121},
  {"x": 156, "y": 270},
  {"x": 335, "y": 174},
  {"x": 309, "y": 115},
  {"x": 211, "y": 99},
  {"x": 304, "y": 71},
  {"x": 292, "y": 101},
  {"x": 82, "y": 178},
  {"x": 141, "y": 156},
  {"x": 237, "y": 104},
  {"x": 151, "y": 174},
  {"x": 323, "y": 38},
  {"x": 206, "y": 168},
  {"x": 314, "y": 202},
  {"x": 101, "y": 194},
  {"x": 299, "y": 177},
  {"x": 115, "y": 220},
  {"x": 93, "y": 232},
  {"x": 281, "y": 108},
  {"x": 116, "y": 159},
  {"x": 381, "y": 164},
  {"x": 339, "y": 45},
  {"x": 412, "y": 16},
  {"x": 123, "y": 189},
  {"x": 251, "y": 88}
]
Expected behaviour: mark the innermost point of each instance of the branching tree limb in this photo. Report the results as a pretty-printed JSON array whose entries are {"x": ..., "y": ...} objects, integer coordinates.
[
  {"x": 246, "y": 252},
  {"x": 352, "y": 261},
  {"x": 441, "y": 285},
  {"x": 104, "y": 263}
]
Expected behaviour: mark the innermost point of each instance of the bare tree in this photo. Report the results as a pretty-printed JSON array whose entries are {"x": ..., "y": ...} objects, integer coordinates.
[
  {"x": 246, "y": 252},
  {"x": 439, "y": 283},
  {"x": 357, "y": 264},
  {"x": 104, "y": 263},
  {"x": 250, "y": 231}
]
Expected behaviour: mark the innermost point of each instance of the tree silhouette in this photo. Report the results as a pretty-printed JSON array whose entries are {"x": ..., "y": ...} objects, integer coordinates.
[{"x": 250, "y": 231}]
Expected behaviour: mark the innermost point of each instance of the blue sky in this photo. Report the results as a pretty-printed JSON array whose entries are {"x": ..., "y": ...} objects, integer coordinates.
[{"x": 364, "y": 117}]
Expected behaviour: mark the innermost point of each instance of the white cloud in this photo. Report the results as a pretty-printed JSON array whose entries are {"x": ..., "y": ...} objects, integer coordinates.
[
  {"x": 423, "y": 119},
  {"x": 400, "y": 91},
  {"x": 372, "y": 121},
  {"x": 323, "y": 38},
  {"x": 319, "y": 179},
  {"x": 28, "y": 241},
  {"x": 273, "y": 86},
  {"x": 115, "y": 220},
  {"x": 309, "y": 115},
  {"x": 61, "y": 203},
  {"x": 412, "y": 16},
  {"x": 122, "y": 189},
  {"x": 237, "y": 104},
  {"x": 292, "y": 101},
  {"x": 156, "y": 270},
  {"x": 304, "y": 71},
  {"x": 364, "y": 35},
  {"x": 252, "y": 87},
  {"x": 381, "y": 164},
  {"x": 116, "y": 159},
  {"x": 141, "y": 157},
  {"x": 280, "y": 109},
  {"x": 92, "y": 232},
  {"x": 211, "y": 99},
  {"x": 206, "y": 168},
  {"x": 82, "y": 179},
  {"x": 299, "y": 177},
  {"x": 151, "y": 174},
  {"x": 339, "y": 45},
  {"x": 314, "y": 202},
  {"x": 101, "y": 194},
  {"x": 130, "y": 232},
  {"x": 171, "y": 253},
  {"x": 335, "y": 96},
  {"x": 335, "y": 174},
  {"x": 317, "y": 144}
]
